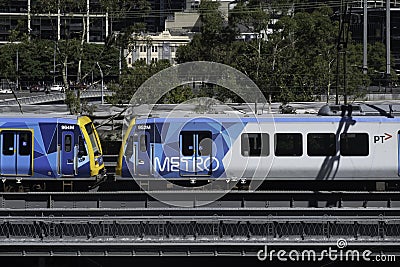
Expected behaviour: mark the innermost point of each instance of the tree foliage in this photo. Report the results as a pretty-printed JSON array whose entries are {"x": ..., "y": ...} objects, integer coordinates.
[
  {"x": 293, "y": 58},
  {"x": 291, "y": 55},
  {"x": 133, "y": 78},
  {"x": 36, "y": 61},
  {"x": 76, "y": 61}
]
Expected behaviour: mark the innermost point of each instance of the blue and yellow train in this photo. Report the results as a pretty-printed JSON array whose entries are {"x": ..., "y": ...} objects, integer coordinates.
[
  {"x": 52, "y": 153},
  {"x": 357, "y": 145}
]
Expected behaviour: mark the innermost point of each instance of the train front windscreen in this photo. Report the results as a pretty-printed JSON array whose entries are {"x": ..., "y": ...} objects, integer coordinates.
[{"x": 93, "y": 138}]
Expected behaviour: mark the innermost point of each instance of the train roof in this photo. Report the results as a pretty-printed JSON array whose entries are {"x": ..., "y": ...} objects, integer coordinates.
[
  {"x": 44, "y": 116},
  {"x": 34, "y": 118},
  {"x": 194, "y": 110},
  {"x": 386, "y": 110},
  {"x": 260, "y": 111}
]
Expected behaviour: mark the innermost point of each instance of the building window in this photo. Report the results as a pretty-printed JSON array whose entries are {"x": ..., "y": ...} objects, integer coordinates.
[
  {"x": 354, "y": 144},
  {"x": 255, "y": 144},
  {"x": 154, "y": 48},
  {"x": 321, "y": 144},
  {"x": 142, "y": 48},
  {"x": 288, "y": 144},
  {"x": 129, "y": 60}
]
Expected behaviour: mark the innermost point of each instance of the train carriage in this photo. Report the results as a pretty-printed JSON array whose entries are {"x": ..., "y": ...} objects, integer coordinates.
[
  {"x": 354, "y": 145},
  {"x": 40, "y": 153}
]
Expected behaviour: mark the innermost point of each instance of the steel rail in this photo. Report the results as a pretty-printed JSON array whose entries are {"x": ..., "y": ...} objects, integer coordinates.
[{"x": 197, "y": 199}]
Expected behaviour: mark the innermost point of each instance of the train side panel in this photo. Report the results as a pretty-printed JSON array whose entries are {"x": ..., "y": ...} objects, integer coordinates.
[
  {"x": 47, "y": 149},
  {"x": 176, "y": 148}
]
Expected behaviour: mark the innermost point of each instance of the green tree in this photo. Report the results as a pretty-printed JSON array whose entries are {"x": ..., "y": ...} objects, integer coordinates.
[
  {"x": 213, "y": 43},
  {"x": 133, "y": 78},
  {"x": 377, "y": 65},
  {"x": 178, "y": 95},
  {"x": 72, "y": 52},
  {"x": 299, "y": 49},
  {"x": 296, "y": 61},
  {"x": 34, "y": 60},
  {"x": 8, "y": 62}
]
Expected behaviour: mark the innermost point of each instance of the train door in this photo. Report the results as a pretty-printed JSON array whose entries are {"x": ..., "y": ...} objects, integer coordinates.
[
  {"x": 195, "y": 153},
  {"x": 130, "y": 154},
  {"x": 16, "y": 149},
  {"x": 67, "y": 153},
  {"x": 143, "y": 154}
]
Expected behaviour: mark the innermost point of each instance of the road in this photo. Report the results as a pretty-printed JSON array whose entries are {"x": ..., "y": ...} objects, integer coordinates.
[
  {"x": 26, "y": 93},
  {"x": 23, "y": 93}
]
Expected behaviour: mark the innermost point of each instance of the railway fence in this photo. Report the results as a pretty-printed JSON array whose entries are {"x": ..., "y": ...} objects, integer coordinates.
[{"x": 238, "y": 223}]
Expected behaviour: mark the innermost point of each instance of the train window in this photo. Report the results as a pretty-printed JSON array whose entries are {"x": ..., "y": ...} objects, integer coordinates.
[
  {"x": 321, "y": 144},
  {"x": 93, "y": 139},
  {"x": 82, "y": 150},
  {"x": 205, "y": 143},
  {"x": 187, "y": 143},
  {"x": 143, "y": 143},
  {"x": 129, "y": 148},
  {"x": 25, "y": 143},
  {"x": 288, "y": 144},
  {"x": 8, "y": 144},
  {"x": 354, "y": 144},
  {"x": 255, "y": 144},
  {"x": 68, "y": 143}
]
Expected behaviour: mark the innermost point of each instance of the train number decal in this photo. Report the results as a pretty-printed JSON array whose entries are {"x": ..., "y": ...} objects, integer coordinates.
[{"x": 67, "y": 127}]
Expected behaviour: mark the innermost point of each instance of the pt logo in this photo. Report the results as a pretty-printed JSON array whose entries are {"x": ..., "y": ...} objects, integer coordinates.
[{"x": 381, "y": 138}]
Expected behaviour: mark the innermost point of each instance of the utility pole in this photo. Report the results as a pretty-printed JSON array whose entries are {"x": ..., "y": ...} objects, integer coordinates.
[
  {"x": 388, "y": 42},
  {"x": 54, "y": 64},
  {"x": 87, "y": 20},
  {"x": 343, "y": 37},
  {"x": 365, "y": 38},
  {"x": 29, "y": 20},
  {"x": 102, "y": 83},
  {"x": 17, "y": 83},
  {"x": 58, "y": 21},
  {"x": 120, "y": 61}
]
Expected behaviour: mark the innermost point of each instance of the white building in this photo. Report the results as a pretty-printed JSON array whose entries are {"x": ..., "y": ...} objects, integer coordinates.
[{"x": 151, "y": 48}]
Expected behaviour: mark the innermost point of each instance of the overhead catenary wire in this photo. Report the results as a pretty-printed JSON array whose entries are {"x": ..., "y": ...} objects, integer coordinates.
[{"x": 160, "y": 13}]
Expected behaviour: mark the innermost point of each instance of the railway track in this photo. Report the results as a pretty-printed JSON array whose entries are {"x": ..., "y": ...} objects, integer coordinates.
[
  {"x": 201, "y": 199},
  {"x": 236, "y": 223}
]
